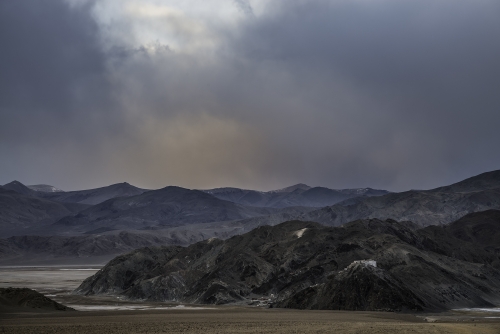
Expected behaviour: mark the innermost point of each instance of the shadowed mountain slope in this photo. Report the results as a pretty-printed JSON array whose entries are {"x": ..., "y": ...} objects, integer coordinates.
[
  {"x": 297, "y": 195},
  {"x": 85, "y": 249},
  {"x": 306, "y": 265},
  {"x": 431, "y": 207},
  {"x": 167, "y": 207},
  {"x": 100, "y": 245},
  {"x": 93, "y": 196},
  {"x": 488, "y": 180},
  {"x": 20, "y": 212},
  {"x": 20, "y": 188}
]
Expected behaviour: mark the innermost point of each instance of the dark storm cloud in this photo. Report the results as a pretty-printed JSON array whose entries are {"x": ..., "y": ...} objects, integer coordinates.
[
  {"x": 425, "y": 77},
  {"x": 389, "y": 94},
  {"x": 52, "y": 91},
  {"x": 48, "y": 53}
]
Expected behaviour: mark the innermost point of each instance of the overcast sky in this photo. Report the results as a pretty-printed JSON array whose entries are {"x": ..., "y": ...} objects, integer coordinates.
[{"x": 257, "y": 94}]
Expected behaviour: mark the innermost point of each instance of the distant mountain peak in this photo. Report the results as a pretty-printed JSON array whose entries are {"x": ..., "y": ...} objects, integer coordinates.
[
  {"x": 14, "y": 183},
  {"x": 300, "y": 186},
  {"x": 172, "y": 188},
  {"x": 121, "y": 184},
  {"x": 18, "y": 187}
]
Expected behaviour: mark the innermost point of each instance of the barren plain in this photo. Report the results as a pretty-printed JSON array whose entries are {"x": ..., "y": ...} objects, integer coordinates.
[{"x": 113, "y": 315}]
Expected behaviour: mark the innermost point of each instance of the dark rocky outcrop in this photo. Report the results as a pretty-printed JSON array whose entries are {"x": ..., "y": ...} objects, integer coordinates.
[
  {"x": 358, "y": 287},
  {"x": 305, "y": 265},
  {"x": 26, "y": 299}
]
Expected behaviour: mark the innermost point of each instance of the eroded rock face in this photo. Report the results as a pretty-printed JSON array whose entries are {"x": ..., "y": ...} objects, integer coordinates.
[
  {"x": 358, "y": 287},
  {"x": 306, "y": 265}
]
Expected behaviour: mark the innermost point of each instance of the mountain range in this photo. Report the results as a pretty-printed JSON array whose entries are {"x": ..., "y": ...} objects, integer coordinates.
[
  {"x": 125, "y": 207},
  {"x": 35, "y": 223},
  {"x": 298, "y": 247},
  {"x": 364, "y": 265}
]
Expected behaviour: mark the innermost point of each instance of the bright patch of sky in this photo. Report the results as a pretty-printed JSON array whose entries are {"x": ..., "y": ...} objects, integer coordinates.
[{"x": 188, "y": 26}]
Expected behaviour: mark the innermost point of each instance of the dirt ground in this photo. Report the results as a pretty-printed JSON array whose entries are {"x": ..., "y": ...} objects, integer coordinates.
[{"x": 237, "y": 320}]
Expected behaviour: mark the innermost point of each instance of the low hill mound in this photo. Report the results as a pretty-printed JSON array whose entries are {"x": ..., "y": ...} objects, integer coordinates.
[{"x": 24, "y": 298}]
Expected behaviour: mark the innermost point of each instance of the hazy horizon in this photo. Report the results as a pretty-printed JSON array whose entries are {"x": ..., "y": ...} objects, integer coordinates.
[{"x": 229, "y": 186}]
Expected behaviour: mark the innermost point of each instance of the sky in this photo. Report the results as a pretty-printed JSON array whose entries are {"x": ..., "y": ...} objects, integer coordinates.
[{"x": 256, "y": 94}]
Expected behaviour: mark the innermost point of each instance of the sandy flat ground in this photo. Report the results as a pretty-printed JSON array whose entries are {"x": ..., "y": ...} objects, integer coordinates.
[
  {"x": 115, "y": 315},
  {"x": 233, "y": 320}
]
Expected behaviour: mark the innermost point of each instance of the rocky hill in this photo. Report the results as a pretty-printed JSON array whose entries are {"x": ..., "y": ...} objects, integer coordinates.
[
  {"x": 424, "y": 207},
  {"x": 364, "y": 265}
]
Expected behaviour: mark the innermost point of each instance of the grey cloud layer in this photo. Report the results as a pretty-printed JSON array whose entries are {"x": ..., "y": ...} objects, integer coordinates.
[{"x": 385, "y": 94}]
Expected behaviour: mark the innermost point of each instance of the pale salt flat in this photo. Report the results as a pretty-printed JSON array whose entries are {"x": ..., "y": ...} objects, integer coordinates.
[
  {"x": 493, "y": 309},
  {"x": 44, "y": 279},
  {"x": 135, "y": 307}
]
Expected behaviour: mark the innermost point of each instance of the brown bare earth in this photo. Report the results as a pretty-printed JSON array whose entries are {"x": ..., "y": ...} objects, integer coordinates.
[{"x": 237, "y": 320}]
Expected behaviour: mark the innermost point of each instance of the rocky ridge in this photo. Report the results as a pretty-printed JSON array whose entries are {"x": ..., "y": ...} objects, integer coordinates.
[
  {"x": 92, "y": 196},
  {"x": 424, "y": 207},
  {"x": 297, "y": 195}
]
